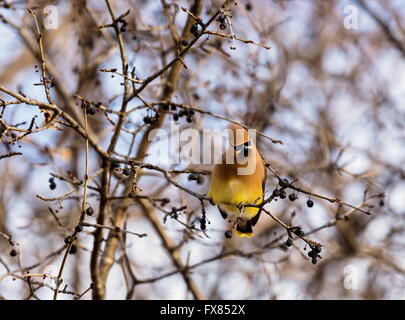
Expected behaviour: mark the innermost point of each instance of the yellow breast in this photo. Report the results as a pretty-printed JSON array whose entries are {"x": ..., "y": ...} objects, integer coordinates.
[{"x": 228, "y": 194}]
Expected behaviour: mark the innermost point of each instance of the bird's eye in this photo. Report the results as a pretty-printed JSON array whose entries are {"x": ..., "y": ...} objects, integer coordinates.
[
  {"x": 238, "y": 147},
  {"x": 247, "y": 144}
]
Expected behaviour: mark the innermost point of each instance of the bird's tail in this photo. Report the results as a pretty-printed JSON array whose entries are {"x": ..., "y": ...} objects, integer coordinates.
[{"x": 244, "y": 228}]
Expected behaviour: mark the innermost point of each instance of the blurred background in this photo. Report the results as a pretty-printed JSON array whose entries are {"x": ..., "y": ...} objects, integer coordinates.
[{"x": 331, "y": 88}]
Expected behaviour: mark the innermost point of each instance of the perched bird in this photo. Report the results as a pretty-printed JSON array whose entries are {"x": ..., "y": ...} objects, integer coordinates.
[{"x": 239, "y": 179}]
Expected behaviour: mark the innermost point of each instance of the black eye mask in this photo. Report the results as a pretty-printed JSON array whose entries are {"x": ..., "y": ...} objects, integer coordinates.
[{"x": 243, "y": 146}]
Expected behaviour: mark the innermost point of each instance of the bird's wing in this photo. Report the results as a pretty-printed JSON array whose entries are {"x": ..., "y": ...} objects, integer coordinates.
[
  {"x": 264, "y": 181},
  {"x": 256, "y": 218},
  {"x": 223, "y": 213}
]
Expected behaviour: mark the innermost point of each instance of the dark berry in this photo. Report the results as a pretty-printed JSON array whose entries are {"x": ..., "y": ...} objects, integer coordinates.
[
  {"x": 192, "y": 177},
  {"x": 221, "y": 18},
  {"x": 289, "y": 242},
  {"x": 89, "y": 211},
  {"x": 312, "y": 254},
  {"x": 166, "y": 107},
  {"x": 52, "y": 186},
  {"x": 91, "y": 111},
  {"x": 79, "y": 228},
  {"x": 189, "y": 119},
  {"x": 190, "y": 112},
  {"x": 184, "y": 42},
  {"x": 194, "y": 29},
  {"x": 276, "y": 192},
  {"x": 222, "y": 26},
  {"x": 51, "y": 180},
  {"x": 181, "y": 113},
  {"x": 249, "y": 6},
  {"x": 73, "y": 249},
  {"x": 199, "y": 180},
  {"x": 283, "y": 194},
  {"x": 175, "y": 117},
  {"x": 228, "y": 234},
  {"x": 173, "y": 107},
  {"x": 299, "y": 232},
  {"x": 165, "y": 200},
  {"x": 203, "y": 224},
  {"x": 314, "y": 260},
  {"x": 317, "y": 249},
  {"x": 13, "y": 252},
  {"x": 147, "y": 120},
  {"x": 68, "y": 239},
  {"x": 126, "y": 171},
  {"x": 292, "y": 197},
  {"x": 310, "y": 203},
  {"x": 284, "y": 183},
  {"x": 382, "y": 203}
]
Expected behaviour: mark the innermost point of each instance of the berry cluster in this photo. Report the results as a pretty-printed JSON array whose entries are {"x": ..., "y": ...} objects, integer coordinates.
[
  {"x": 314, "y": 253},
  {"x": 281, "y": 193},
  {"x": 194, "y": 29},
  {"x": 184, "y": 112},
  {"x": 52, "y": 184},
  {"x": 222, "y": 21},
  {"x": 127, "y": 171},
  {"x": 195, "y": 177},
  {"x": 89, "y": 211},
  {"x": 91, "y": 108},
  {"x": 151, "y": 119}
]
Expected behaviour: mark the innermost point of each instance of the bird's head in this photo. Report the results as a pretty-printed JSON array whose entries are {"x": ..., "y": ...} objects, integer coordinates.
[{"x": 241, "y": 145}]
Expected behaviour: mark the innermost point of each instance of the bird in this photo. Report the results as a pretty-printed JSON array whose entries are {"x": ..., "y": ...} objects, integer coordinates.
[{"x": 239, "y": 179}]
